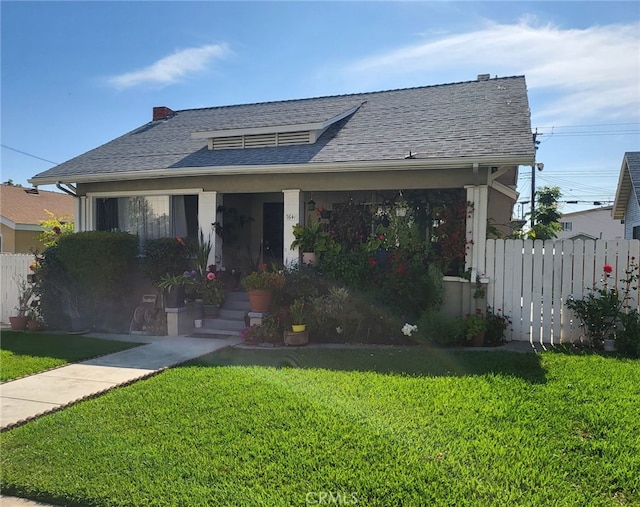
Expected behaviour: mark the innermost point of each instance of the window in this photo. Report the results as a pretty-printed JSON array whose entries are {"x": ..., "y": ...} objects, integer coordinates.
[
  {"x": 636, "y": 232},
  {"x": 149, "y": 217},
  {"x": 567, "y": 226}
]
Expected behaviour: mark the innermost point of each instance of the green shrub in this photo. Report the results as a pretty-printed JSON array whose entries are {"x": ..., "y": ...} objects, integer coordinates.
[
  {"x": 628, "y": 338},
  {"x": 349, "y": 267},
  {"x": 90, "y": 274},
  {"x": 164, "y": 256},
  {"x": 437, "y": 327}
]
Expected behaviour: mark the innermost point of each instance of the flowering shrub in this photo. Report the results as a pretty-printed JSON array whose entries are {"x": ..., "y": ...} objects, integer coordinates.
[
  {"x": 497, "y": 324},
  {"x": 598, "y": 312},
  {"x": 409, "y": 329}
]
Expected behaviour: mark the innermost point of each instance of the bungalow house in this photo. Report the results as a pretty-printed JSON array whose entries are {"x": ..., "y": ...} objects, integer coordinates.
[
  {"x": 22, "y": 210},
  {"x": 251, "y": 172},
  {"x": 626, "y": 207}
]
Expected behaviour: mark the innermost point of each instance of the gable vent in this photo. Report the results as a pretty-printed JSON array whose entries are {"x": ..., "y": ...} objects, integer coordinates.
[
  {"x": 226, "y": 143},
  {"x": 260, "y": 140}
]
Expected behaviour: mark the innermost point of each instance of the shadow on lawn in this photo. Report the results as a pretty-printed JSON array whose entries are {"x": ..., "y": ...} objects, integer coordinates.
[
  {"x": 414, "y": 361},
  {"x": 58, "y": 345}
]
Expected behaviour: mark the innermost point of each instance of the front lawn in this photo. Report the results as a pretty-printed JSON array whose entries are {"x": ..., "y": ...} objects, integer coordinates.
[
  {"x": 23, "y": 353},
  {"x": 381, "y": 427}
]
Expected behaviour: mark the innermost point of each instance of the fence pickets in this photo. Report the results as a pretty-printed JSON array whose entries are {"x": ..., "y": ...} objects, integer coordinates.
[
  {"x": 530, "y": 281},
  {"x": 13, "y": 268}
]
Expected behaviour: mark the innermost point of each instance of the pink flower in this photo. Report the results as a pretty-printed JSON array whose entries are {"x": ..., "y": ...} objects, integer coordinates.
[
  {"x": 180, "y": 240},
  {"x": 607, "y": 268},
  {"x": 211, "y": 276}
]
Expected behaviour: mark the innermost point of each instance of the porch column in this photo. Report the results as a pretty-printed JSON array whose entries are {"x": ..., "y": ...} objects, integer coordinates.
[
  {"x": 292, "y": 216},
  {"x": 208, "y": 203},
  {"x": 477, "y": 229},
  {"x": 83, "y": 219}
]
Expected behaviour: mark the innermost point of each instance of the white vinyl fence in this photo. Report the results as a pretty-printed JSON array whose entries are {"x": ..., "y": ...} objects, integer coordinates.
[
  {"x": 531, "y": 281},
  {"x": 13, "y": 268}
]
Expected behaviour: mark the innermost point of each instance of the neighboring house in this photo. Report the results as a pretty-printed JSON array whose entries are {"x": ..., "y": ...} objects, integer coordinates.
[
  {"x": 596, "y": 223},
  {"x": 255, "y": 169},
  {"x": 626, "y": 207},
  {"x": 22, "y": 210}
]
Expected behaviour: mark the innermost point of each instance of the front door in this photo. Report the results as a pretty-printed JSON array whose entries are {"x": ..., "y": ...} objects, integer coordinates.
[{"x": 272, "y": 232}]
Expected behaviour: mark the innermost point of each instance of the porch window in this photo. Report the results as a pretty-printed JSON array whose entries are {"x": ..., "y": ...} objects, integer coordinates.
[{"x": 149, "y": 217}]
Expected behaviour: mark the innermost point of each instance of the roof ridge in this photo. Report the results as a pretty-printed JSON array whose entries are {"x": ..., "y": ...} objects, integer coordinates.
[{"x": 345, "y": 95}]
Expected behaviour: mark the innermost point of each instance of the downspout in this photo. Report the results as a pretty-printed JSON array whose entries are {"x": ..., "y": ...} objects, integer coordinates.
[{"x": 71, "y": 190}]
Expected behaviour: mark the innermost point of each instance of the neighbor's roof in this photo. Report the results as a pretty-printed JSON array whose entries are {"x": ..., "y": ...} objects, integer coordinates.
[
  {"x": 483, "y": 119},
  {"x": 628, "y": 180},
  {"x": 23, "y": 206}
]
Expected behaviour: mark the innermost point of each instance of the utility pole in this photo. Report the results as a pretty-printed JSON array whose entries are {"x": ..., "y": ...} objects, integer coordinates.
[{"x": 533, "y": 177}]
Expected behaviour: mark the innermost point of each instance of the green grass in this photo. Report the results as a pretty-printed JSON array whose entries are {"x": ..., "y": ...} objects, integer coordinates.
[
  {"x": 410, "y": 427},
  {"x": 23, "y": 353}
]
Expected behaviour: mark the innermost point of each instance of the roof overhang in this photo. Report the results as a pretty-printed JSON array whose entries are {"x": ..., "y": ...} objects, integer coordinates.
[
  {"x": 623, "y": 192},
  {"x": 20, "y": 227},
  {"x": 307, "y": 168}
]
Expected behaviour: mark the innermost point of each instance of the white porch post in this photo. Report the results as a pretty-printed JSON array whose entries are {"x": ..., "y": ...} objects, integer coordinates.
[
  {"x": 292, "y": 214},
  {"x": 477, "y": 229},
  {"x": 208, "y": 203}
]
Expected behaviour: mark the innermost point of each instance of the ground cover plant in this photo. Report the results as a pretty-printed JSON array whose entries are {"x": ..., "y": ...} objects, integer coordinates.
[
  {"x": 23, "y": 353},
  {"x": 381, "y": 426}
]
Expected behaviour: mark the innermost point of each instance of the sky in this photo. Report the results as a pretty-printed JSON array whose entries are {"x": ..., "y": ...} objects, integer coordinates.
[{"x": 75, "y": 75}]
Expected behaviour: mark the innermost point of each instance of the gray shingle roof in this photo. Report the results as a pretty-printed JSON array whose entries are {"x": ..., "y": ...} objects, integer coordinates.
[
  {"x": 470, "y": 119},
  {"x": 633, "y": 164}
]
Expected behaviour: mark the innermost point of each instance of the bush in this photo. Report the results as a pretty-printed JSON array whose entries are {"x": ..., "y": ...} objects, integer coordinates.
[
  {"x": 349, "y": 267},
  {"x": 90, "y": 275},
  {"x": 628, "y": 338},
  {"x": 437, "y": 327},
  {"x": 164, "y": 256}
]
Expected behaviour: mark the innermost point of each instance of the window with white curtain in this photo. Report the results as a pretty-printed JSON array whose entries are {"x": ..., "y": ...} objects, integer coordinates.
[{"x": 149, "y": 217}]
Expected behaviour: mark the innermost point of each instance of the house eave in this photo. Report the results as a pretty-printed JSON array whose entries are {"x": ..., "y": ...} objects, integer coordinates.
[{"x": 307, "y": 168}]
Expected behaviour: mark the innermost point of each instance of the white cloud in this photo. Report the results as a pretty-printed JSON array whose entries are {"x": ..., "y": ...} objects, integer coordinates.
[
  {"x": 172, "y": 68},
  {"x": 582, "y": 73}
]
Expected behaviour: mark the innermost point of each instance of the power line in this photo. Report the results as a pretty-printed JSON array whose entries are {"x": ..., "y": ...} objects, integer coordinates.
[{"x": 28, "y": 154}]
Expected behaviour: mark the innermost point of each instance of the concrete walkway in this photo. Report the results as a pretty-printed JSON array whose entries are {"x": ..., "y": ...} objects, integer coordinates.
[{"x": 24, "y": 399}]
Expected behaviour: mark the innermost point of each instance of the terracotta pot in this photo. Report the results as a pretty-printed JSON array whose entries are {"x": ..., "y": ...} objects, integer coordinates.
[
  {"x": 478, "y": 339},
  {"x": 260, "y": 300},
  {"x": 309, "y": 259},
  {"x": 34, "y": 325},
  {"x": 296, "y": 339},
  {"x": 18, "y": 323}
]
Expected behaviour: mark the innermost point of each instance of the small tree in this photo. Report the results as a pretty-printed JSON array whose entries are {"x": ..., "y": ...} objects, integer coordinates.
[
  {"x": 546, "y": 215},
  {"x": 54, "y": 228}
]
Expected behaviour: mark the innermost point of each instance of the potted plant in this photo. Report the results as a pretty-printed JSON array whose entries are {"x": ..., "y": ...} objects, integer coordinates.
[
  {"x": 33, "y": 320},
  {"x": 174, "y": 288},
  {"x": 297, "y": 312},
  {"x": 474, "y": 327},
  {"x": 310, "y": 240},
  {"x": 211, "y": 290},
  {"x": 260, "y": 286},
  {"x": 25, "y": 293}
]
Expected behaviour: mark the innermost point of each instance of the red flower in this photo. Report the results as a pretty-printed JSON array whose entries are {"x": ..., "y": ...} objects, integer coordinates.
[
  {"x": 372, "y": 261},
  {"x": 607, "y": 268},
  {"x": 56, "y": 229},
  {"x": 401, "y": 269},
  {"x": 381, "y": 237},
  {"x": 180, "y": 240},
  {"x": 32, "y": 267},
  {"x": 263, "y": 266}
]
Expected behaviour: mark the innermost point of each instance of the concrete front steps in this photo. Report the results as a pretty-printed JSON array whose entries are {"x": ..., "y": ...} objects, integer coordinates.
[{"x": 230, "y": 319}]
